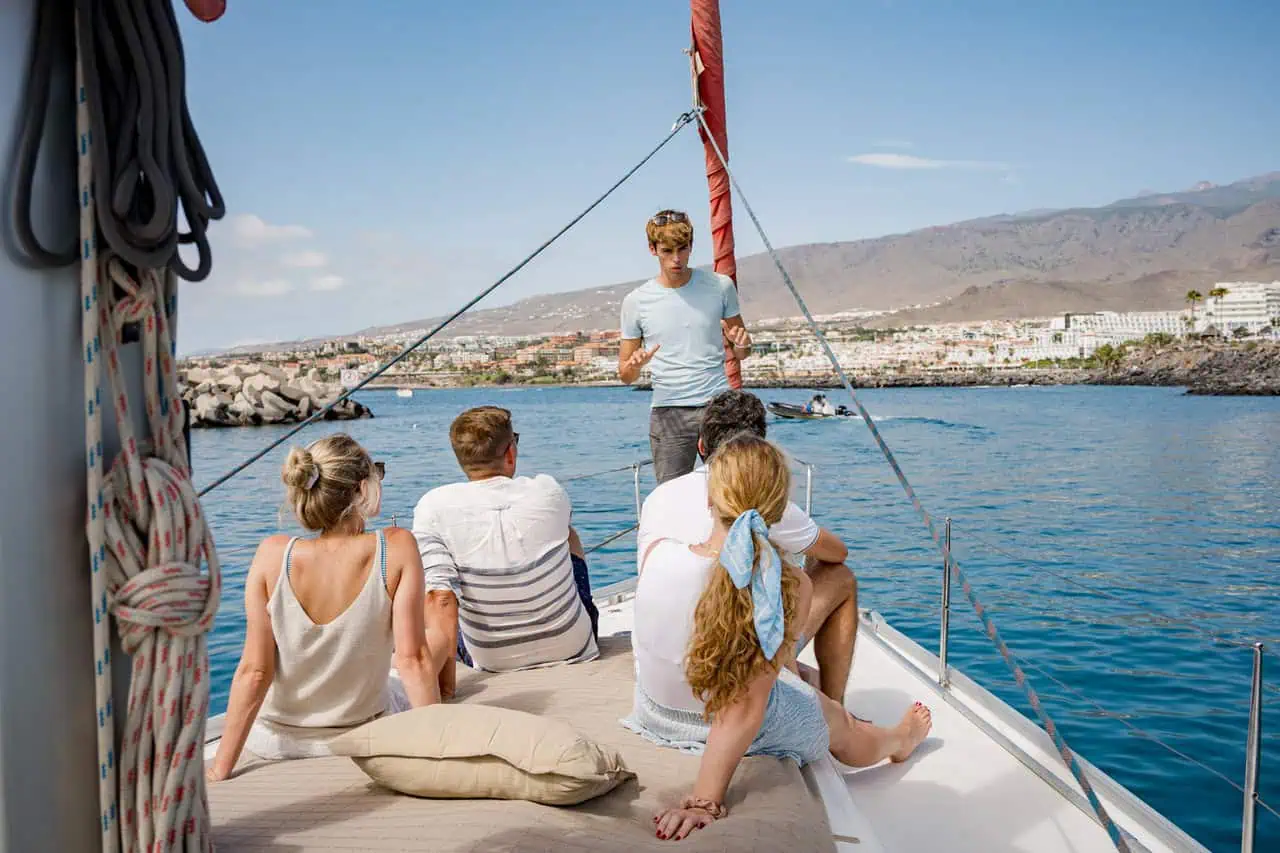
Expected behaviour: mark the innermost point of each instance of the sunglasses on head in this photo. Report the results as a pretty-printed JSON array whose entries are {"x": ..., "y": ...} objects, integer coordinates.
[
  {"x": 380, "y": 468},
  {"x": 668, "y": 216}
]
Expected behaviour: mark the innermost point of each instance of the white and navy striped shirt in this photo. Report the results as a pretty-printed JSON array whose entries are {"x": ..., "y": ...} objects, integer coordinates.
[{"x": 501, "y": 545}]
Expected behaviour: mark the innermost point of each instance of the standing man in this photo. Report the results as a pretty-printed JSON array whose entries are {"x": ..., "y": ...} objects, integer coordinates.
[{"x": 686, "y": 316}]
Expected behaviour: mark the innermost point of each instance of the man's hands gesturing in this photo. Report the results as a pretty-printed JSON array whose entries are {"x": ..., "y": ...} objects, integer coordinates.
[{"x": 737, "y": 336}]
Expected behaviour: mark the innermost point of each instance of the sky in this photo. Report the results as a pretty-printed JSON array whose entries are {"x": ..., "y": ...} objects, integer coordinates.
[{"x": 385, "y": 166}]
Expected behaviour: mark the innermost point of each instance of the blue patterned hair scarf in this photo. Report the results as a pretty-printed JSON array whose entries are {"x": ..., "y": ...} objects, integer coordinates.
[{"x": 737, "y": 556}]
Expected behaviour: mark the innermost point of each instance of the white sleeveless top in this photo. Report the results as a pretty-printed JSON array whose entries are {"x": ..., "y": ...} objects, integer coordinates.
[
  {"x": 672, "y": 580},
  {"x": 334, "y": 675}
]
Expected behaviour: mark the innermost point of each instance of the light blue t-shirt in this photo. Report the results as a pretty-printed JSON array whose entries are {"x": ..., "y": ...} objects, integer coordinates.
[{"x": 689, "y": 369}]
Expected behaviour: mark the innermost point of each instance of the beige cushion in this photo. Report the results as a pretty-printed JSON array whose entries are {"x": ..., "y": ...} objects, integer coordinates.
[{"x": 482, "y": 751}]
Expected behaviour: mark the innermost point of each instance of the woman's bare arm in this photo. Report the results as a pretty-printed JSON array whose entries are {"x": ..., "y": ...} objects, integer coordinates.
[
  {"x": 732, "y": 731},
  {"x": 257, "y": 665},
  {"x": 412, "y": 656}
]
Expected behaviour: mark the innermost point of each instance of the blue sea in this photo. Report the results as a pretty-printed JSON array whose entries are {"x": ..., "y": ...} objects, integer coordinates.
[{"x": 1126, "y": 542}]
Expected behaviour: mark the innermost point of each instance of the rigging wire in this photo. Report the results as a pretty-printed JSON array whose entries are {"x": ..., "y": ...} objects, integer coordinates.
[
  {"x": 684, "y": 120},
  {"x": 1068, "y": 756},
  {"x": 1140, "y": 732}
]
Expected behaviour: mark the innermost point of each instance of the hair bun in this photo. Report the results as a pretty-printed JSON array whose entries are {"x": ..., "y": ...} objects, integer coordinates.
[{"x": 300, "y": 470}]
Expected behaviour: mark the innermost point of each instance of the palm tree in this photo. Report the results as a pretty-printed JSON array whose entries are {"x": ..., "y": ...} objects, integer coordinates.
[
  {"x": 1193, "y": 296},
  {"x": 1216, "y": 295}
]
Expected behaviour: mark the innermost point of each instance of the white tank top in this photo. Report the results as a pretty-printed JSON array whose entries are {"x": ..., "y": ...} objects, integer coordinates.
[
  {"x": 336, "y": 674},
  {"x": 672, "y": 579}
]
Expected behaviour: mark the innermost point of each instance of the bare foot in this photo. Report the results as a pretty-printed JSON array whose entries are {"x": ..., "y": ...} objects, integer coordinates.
[{"x": 913, "y": 729}]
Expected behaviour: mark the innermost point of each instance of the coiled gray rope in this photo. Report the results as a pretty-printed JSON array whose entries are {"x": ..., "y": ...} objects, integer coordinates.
[
  {"x": 51, "y": 33},
  {"x": 148, "y": 160}
]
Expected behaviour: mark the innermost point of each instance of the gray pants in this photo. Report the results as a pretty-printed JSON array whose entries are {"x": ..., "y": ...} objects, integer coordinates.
[{"x": 673, "y": 440}]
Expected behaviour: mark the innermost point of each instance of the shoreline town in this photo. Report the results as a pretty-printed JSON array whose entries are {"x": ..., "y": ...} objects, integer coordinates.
[{"x": 1226, "y": 343}]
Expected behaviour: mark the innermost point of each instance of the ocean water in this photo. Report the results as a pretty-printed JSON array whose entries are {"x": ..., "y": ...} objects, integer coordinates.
[{"x": 1126, "y": 542}]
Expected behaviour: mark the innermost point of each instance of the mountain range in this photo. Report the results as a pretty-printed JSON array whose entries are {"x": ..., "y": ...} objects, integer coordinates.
[{"x": 1140, "y": 253}]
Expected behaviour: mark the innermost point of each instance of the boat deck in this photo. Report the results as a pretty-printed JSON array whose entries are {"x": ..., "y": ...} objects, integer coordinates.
[
  {"x": 985, "y": 780},
  {"x": 328, "y": 804}
]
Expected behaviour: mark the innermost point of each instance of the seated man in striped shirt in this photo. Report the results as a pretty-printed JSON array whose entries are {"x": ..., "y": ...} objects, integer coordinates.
[{"x": 503, "y": 546}]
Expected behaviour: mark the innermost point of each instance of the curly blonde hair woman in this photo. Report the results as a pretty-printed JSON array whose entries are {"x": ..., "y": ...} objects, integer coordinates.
[
  {"x": 324, "y": 614},
  {"x": 714, "y": 640}
]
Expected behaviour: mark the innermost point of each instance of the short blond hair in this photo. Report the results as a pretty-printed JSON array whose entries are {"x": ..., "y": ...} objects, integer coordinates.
[
  {"x": 669, "y": 235},
  {"x": 480, "y": 436}
]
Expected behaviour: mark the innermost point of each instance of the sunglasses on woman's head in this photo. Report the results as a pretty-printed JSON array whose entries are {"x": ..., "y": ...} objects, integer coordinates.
[{"x": 380, "y": 468}]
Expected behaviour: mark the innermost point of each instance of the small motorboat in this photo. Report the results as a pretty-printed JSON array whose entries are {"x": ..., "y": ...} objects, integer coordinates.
[
  {"x": 791, "y": 410},
  {"x": 404, "y": 392}
]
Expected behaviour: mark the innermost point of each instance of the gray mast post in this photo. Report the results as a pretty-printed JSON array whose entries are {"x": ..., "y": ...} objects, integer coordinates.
[{"x": 48, "y": 746}]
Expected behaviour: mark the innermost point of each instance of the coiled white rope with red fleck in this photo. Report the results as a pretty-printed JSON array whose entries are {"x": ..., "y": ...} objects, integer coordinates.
[{"x": 147, "y": 540}]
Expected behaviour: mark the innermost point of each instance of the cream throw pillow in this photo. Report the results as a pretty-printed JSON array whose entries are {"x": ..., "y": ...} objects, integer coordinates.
[{"x": 477, "y": 751}]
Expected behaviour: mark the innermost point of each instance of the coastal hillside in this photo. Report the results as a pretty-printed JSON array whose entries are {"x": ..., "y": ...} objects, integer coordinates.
[{"x": 1141, "y": 253}]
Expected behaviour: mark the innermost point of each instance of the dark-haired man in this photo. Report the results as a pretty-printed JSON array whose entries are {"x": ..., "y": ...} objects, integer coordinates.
[{"x": 677, "y": 509}]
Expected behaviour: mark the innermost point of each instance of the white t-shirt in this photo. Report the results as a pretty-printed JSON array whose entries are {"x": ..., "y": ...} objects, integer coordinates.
[
  {"x": 678, "y": 509},
  {"x": 501, "y": 545},
  {"x": 667, "y": 595}
]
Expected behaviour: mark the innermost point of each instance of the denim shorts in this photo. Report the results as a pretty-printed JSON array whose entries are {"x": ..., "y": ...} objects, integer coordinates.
[{"x": 793, "y": 725}]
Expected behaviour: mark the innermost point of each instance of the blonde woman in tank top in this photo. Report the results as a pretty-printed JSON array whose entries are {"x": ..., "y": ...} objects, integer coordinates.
[{"x": 324, "y": 614}]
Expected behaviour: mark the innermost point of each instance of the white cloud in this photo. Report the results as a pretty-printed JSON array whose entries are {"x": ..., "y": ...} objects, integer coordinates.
[
  {"x": 269, "y": 287},
  {"x": 305, "y": 260},
  {"x": 327, "y": 282},
  {"x": 909, "y": 161},
  {"x": 250, "y": 230}
]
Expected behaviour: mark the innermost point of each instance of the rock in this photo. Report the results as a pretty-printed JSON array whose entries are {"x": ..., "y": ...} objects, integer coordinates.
[
  {"x": 230, "y": 383},
  {"x": 276, "y": 408},
  {"x": 312, "y": 387},
  {"x": 292, "y": 393},
  {"x": 261, "y": 382},
  {"x": 249, "y": 395}
]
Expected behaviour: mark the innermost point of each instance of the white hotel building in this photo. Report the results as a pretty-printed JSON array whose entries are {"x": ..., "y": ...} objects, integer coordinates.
[{"x": 1251, "y": 305}]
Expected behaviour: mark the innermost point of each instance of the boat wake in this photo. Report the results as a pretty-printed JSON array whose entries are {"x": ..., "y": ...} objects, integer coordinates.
[{"x": 899, "y": 419}]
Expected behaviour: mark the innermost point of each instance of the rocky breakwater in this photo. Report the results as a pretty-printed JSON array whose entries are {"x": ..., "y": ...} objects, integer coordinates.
[
  {"x": 254, "y": 396},
  {"x": 1207, "y": 369}
]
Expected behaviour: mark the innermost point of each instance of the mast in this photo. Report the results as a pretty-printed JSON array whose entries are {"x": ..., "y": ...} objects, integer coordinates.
[{"x": 707, "y": 59}]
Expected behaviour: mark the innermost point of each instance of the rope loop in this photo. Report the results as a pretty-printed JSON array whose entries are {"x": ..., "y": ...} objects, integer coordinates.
[{"x": 149, "y": 539}]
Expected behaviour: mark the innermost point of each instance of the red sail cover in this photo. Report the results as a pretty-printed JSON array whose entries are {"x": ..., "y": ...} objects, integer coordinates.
[
  {"x": 708, "y": 64},
  {"x": 207, "y": 10}
]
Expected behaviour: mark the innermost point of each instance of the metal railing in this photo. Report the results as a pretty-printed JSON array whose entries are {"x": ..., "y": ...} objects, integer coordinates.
[{"x": 1253, "y": 735}]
